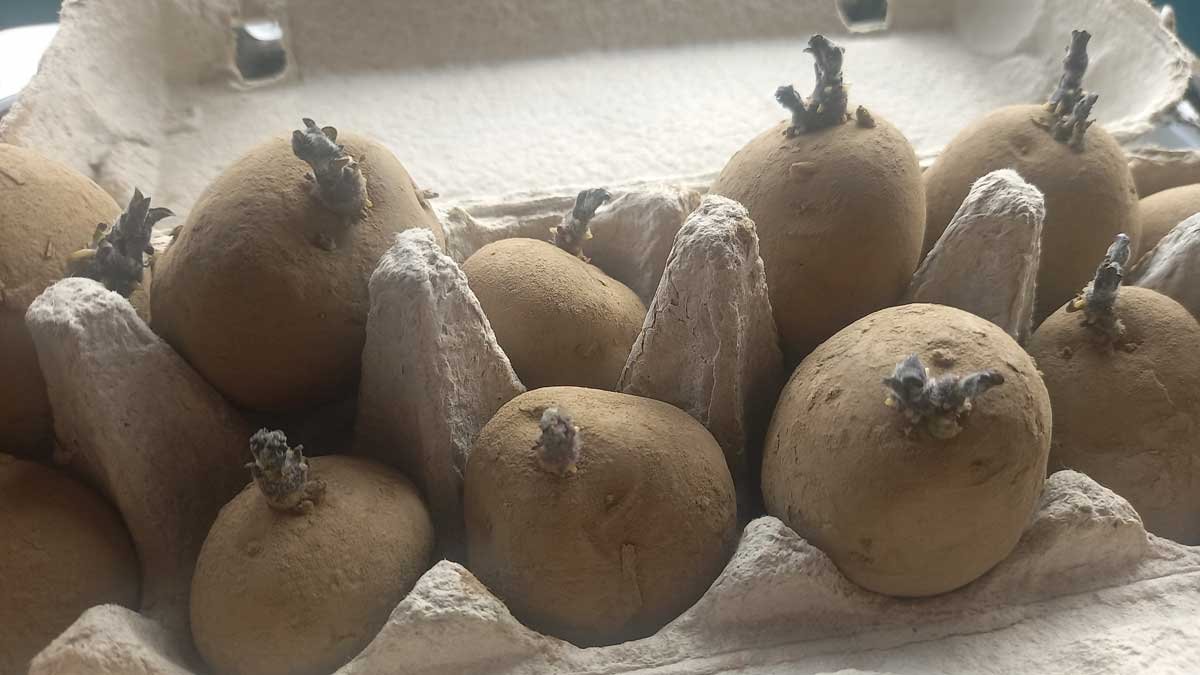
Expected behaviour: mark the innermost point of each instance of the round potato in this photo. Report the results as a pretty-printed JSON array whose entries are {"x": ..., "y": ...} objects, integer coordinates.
[
  {"x": 560, "y": 320},
  {"x": 1161, "y": 212},
  {"x": 264, "y": 290},
  {"x": 1127, "y": 412},
  {"x": 1080, "y": 168},
  {"x": 299, "y": 587},
  {"x": 839, "y": 209},
  {"x": 597, "y": 517},
  {"x": 928, "y": 492}
]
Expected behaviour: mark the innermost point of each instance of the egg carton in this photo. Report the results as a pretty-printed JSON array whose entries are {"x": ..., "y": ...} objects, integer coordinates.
[
  {"x": 1086, "y": 588},
  {"x": 1086, "y": 582},
  {"x": 505, "y": 108}
]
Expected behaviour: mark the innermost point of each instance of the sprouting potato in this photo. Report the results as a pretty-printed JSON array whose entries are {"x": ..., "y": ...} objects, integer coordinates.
[
  {"x": 596, "y": 516},
  {"x": 47, "y": 212},
  {"x": 303, "y": 567},
  {"x": 911, "y": 447},
  {"x": 839, "y": 207},
  {"x": 560, "y": 319},
  {"x": 264, "y": 289},
  {"x": 1122, "y": 364},
  {"x": 1080, "y": 168}
]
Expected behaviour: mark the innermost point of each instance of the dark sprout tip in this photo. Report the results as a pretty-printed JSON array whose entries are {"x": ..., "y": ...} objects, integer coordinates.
[
  {"x": 281, "y": 472},
  {"x": 573, "y": 231},
  {"x": 1070, "y": 105},
  {"x": 114, "y": 257},
  {"x": 828, "y": 105},
  {"x": 339, "y": 183},
  {"x": 559, "y": 443},
  {"x": 940, "y": 403},
  {"x": 1098, "y": 299}
]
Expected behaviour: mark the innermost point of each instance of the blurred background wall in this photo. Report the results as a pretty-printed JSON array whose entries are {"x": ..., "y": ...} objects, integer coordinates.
[{"x": 24, "y": 12}]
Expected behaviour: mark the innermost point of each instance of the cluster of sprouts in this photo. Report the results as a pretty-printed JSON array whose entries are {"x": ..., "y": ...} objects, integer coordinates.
[
  {"x": 1070, "y": 105},
  {"x": 939, "y": 404},
  {"x": 337, "y": 179},
  {"x": 1098, "y": 299},
  {"x": 115, "y": 254},
  {"x": 828, "y": 104},
  {"x": 281, "y": 473},
  {"x": 574, "y": 229},
  {"x": 558, "y": 446}
]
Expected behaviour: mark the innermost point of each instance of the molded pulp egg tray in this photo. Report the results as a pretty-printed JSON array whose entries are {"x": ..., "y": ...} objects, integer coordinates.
[{"x": 506, "y": 108}]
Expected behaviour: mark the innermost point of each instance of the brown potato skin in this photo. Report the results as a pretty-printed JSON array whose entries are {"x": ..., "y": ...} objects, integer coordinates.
[
  {"x": 272, "y": 320},
  {"x": 561, "y": 321},
  {"x": 1130, "y": 419},
  {"x": 1090, "y": 195},
  {"x": 63, "y": 549},
  {"x": 290, "y": 594},
  {"x": 47, "y": 211},
  {"x": 651, "y": 483},
  {"x": 1162, "y": 211},
  {"x": 841, "y": 235},
  {"x": 907, "y": 514}
]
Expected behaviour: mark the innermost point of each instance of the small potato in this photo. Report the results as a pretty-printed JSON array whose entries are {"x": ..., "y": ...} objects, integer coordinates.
[
  {"x": 596, "y": 516},
  {"x": 1082, "y": 172},
  {"x": 298, "y": 586},
  {"x": 1162, "y": 211},
  {"x": 839, "y": 209},
  {"x": 560, "y": 320}
]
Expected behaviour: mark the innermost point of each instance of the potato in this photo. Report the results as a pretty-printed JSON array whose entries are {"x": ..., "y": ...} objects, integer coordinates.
[
  {"x": 907, "y": 500},
  {"x": 618, "y": 520},
  {"x": 839, "y": 209},
  {"x": 264, "y": 291},
  {"x": 47, "y": 211},
  {"x": 1161, "y": 212},
  {"x": 560, "y": 320},
  {"x": 1124, "y": 379},
  {"x": 63, "y": 549},
  {"x": 298, "y": 579},
  {"x": 1081, "y": 170}
]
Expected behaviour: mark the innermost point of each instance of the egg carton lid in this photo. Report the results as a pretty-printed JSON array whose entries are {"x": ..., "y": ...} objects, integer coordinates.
[{"x": 496, "y": 105}]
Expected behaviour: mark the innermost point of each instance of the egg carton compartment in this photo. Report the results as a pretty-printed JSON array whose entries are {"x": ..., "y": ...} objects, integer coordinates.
[
  {"x": 505, "y": 108},
  {"x": 1085, "y": 583},
  {"x": 1086, "y": 587}
]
